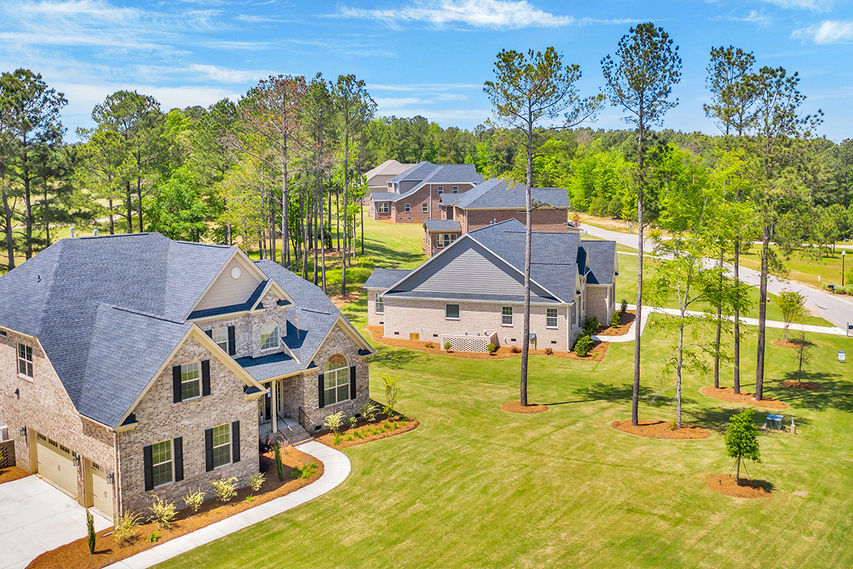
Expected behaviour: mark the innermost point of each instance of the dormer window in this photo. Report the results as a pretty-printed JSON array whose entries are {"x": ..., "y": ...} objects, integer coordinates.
[
  {"x": 269, "y": 336},
  {"x": 220, "y": 336}
]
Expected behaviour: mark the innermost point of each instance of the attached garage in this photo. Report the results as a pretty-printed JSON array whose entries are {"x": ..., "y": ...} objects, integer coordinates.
[
  {"x": 56, "y": 463},
  {"x": 101, "y": 497}
]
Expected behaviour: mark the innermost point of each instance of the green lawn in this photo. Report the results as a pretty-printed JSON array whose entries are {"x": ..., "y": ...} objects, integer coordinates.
[
  {"x": 477, "y": 487},
  {"x": 805, "y": 266}
]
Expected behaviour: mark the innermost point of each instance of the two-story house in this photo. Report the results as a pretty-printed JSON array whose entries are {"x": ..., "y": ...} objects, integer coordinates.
[
  {"x": 134, "y": 365},
  {"x": 377, "y": 178},
  {"x": 471, "y": 293},
  {"x": 413, "y": 196},
  {"x": 491, "y": 202}
]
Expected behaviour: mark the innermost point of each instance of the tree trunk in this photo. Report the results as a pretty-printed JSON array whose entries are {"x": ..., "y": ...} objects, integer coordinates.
[
  {"x": 678, "y": 367},
  {"x": 7, "y": 223},
  {"x": 737, "y": 316},
  {"x": 346, "y": 216},
  {"x": 46, "y": 210},
  {"x": 318, "y": 206},
  {"x": 737, "y": 475},
  {"x": 762, "y": 311},
  {"x": 323, "y": 239},
  {"x": 635, "y": 393},
  {"x": 285, "y": 204},
  {"x": 304, "y": 220},
  {"x": 719, "y": 323},
  {"x": 361, "y": 212},
  {"x": 129, "y": 195},
  {"x": 528, "y": 240},
  {"x": 139, "y": 201},
  {"x": 112, "y": 218}
]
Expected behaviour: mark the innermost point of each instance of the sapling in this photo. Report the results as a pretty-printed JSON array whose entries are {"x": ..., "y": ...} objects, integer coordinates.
[
  {"x": 279, "y": 465},
  {"x": 90, "y": 531},
  {"x": 742, "y": 439},
  {"x": 391, "y": 391}
]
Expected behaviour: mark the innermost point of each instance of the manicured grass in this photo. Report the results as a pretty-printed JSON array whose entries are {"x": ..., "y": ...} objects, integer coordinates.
[
  {"x": 477, "y": 487},
  {"x": 806, "y": 266}
]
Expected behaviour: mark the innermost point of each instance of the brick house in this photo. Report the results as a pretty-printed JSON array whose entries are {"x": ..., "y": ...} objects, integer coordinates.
[
  {"x": 491, "y": 202},
  {"x": 134, "y": 365},
  {"x": 377, "y": 178},
  {"x": 413, "y": 196},
  {"x": 472, "y": 292}
]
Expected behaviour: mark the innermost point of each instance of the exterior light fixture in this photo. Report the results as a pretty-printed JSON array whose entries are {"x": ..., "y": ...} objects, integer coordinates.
[
  {"x": 23, "y": 431},
  {"x": 76, "y": 460},
  {"x": 109, "y": 477}
]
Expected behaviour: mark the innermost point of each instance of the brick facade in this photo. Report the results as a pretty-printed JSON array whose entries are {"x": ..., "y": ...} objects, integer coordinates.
[
  {"x": 427, "y": 195},
  {"x": 542, "y": 219}
]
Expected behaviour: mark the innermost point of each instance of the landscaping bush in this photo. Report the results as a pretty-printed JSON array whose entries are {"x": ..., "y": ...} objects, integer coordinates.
[
  {"x": 549, "y": 351},
  {"x": 369, "y": 411},
  {"x": 429, "y": 345},
  {"x": 126, "y": 528},
  {"x": 623, "y": 308},
  {"x": 614, "y": 320},
  {"x": 335, "y": 422},
  {"x": 448, "y": 346},
  {"x": 194, "y": 500},
  {"x": 225, "y": 489},
  {"x": 353, "y": 422},
  {"x": 304, "y": 471},
  {"x": 154, "y": 537},
  {"x": 163, "y": 512},
  {"x": 583, "y": 345},
  {"x": 515, "y": 350},
  {"x": 491, "y": 348},
  {"x": 90, "y": 531},
  {"x": 255, "y": 481},
  {"x": 279, "y": 465},
  {"x": 590, "y": 325}
]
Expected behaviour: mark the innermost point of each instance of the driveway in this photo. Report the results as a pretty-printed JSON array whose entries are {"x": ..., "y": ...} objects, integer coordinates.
[{"x": 36, "y": 517}]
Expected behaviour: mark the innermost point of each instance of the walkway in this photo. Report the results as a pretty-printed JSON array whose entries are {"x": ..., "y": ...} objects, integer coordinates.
[
  {"x": 336, "y": 469},
  {"x": 36, "y": 517},
  {"x": 648, "y": 310},
  {"x": 832, "y": 307}
]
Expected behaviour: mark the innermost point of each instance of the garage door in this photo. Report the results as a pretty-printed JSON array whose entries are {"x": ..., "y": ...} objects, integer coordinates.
[
  {"x": 56, "y": 463},
  {"x": 101, "y": 491}
]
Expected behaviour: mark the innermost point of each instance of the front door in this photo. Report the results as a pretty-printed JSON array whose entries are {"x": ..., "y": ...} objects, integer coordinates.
[{"x": 279, "y": 397}]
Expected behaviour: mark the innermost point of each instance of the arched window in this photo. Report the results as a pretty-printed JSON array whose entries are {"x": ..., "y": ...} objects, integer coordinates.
[
  {"x": 269, "y": 336},
  {"x": 336, "y": 380}
]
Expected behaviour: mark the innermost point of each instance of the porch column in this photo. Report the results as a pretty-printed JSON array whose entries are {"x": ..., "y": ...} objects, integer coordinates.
[{"x": 273, "y": 407}]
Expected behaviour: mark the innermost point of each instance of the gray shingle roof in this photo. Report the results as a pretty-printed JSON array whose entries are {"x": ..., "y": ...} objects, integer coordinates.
[
  {"x": 384, "y": 278},
  {"x": 428, "y": 173},
  {"x": 494, "y": 193},
  {"x": 600, "y": 259},
  {"x": 382, "y": 196},
  {"x": 442, "y": 225}
]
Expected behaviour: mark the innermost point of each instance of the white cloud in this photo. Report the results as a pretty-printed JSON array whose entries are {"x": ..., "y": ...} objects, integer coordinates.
[
  {"x": 224, "y": 74},
  {"x": 421, "y": 87},
  {"x": 827, "y": 32},
  {"x": 813, "y": 5},
  {"x": 500, "y": 14},
  {"x": 760, "y": 19}
]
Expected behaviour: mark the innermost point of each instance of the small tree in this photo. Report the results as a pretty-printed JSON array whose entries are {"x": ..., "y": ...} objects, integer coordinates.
[
  {"x": 742, "y": 439},
  {"x": 792, "y": 305},
  {"x": 391, "y": 391},
  {"x": 90, "y": 531},
  {"x": 279, "y": 465}
]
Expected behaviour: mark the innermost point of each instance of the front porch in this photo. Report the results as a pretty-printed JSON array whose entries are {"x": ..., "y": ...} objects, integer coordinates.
[{"x": 280, "y": 414}]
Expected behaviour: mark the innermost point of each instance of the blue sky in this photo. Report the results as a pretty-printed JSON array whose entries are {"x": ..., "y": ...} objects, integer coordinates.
[{"x": 426, "y": 57}]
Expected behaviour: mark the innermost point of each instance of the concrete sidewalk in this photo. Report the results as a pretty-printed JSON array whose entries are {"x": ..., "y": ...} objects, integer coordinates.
[{"x": 336, "y": 469}]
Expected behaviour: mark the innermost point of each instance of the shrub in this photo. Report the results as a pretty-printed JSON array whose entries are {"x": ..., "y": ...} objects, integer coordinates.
[
  {"x": 255, "y": 481},
  {"x": 614, "y": 320},
  {"x": 623, "y": 308},
  {"x": 250, "y": 498},
  {"x": 353, "y": 422},
  {"x": 163, "y": 512},
  {"x": 225, "y": 489},
  {"x": 194, "y": 500},
  {"x": 279, "y": 465},
  {"x": 334, "y": 422},
  {"x": 491, "y": 348},
  {"x": 583, "y": 345},
  {"x": 515, "y": 350},
  {"x": 590, "y": 325},
  {"x": 429, "y": 345},
  {"x": 126, "y": 528},
  {"x": 448, "y": 346},
  {"x": 369, "y": 410},
  {"x": 549, "y": 351},
  {"x": 155, "y": 535},
  {"x": 336, "y": 439},
  {"x": 90, "y": 531},
  {"x": 391, "y": 391},
  {"x": 304, "y": 471}
]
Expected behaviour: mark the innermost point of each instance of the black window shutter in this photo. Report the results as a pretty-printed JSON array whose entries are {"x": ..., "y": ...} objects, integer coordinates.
[
  {"x": 235, "y": 441},
  {"x": 320, "y": 398},
  {"x": 178, "y": 446},
  {"x": 232, "y": 341},
  {"x": 352, "y": 382},
  {"x": 205, "y": 377},
  {"x": 176, "y": 384},
  {"x": 149, "y": 473},
  {"x": 209, "y": 333},
  {"x": 208, "y": 450}
]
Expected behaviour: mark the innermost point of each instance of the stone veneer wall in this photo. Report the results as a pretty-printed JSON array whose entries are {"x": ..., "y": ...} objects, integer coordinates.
[
  {"x": 159, "y": 418},
  {"x": 42, "y": 405}
]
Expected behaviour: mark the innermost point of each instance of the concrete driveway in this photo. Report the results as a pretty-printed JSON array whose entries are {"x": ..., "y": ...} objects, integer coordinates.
[{"x": 36, "y": 517}]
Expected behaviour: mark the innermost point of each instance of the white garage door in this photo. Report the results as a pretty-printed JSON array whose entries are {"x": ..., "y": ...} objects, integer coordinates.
[
  {"x": 56, "y": 463},
  {"x": 101, "y": 491}
]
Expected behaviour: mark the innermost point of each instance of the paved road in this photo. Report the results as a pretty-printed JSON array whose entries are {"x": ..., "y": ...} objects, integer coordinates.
[{"x": 832, "y": 307}]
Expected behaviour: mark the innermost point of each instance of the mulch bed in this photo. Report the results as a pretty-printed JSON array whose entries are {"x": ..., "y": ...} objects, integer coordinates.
[
  {"x": 76, "y": 554},
  {"x": 529, "y": 409},
  {"x": 12, "y": 473},
  {"x": 596, "y": 354},
  {"x": 788, "y": 344},
  {"x": 728, "y": 394},
  {"x": 661, "y": 430},
  {"x": 797, "y": 384},
  {"x": 370, "y": 431},
  {"x": 625, "y": 321},
  {"x": 726, "y": 484}
]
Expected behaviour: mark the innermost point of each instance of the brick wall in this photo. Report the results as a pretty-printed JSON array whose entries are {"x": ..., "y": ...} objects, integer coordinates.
[
  {"x": 159, "y": 418},
  {"x": 42, "y": 406},
  {"x": 427, "y": 195},
  {"x": 545, "y": 219}
]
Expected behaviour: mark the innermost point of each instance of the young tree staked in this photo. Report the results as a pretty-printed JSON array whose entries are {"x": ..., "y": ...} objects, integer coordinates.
[
  {"x": 639, "y": 78},
  {"x": 532, "y": 93},
  {"x": 742, "y": 439}
]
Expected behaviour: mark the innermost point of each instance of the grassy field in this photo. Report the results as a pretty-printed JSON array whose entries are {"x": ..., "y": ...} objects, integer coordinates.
[
  {"x": 807, "y": 266},
  {"x": 477, "y": 487}
]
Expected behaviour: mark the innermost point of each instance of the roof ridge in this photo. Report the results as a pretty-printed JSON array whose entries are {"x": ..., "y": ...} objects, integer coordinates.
[
  {"x": 141, "y": 313},
  {"x": 136, "y": 234}
]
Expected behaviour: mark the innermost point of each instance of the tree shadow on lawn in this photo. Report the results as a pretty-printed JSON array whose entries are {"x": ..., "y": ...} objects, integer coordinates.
[
  {"x": 394, "y": 358},
  {"x": 717, "y": 418},
  {"x": 832, "y": 394},
  {"x": 390, "y": 258},
  {"x": 604, "y": 392}
]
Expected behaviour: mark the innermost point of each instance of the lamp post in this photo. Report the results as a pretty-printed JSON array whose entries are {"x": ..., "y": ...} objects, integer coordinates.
[{"x": 843, "y": 254}]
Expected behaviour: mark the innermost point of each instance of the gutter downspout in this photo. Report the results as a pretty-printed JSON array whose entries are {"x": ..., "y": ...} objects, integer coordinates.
[{"x": 119, "y": 510}]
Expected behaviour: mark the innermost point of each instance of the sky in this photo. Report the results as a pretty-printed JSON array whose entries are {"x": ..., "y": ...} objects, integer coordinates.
[{"x": 427, "y": 57}]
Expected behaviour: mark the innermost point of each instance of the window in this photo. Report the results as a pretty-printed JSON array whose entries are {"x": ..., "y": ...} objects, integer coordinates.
[
  {"x": 380, "y": 305},
  {"x": 269, "y": 336},
  {"x": 382, "y": 207},
  {"x": 221, "y": 445},
  {"x": 336, "y": 380},
  {"x": 451, "y": 311},
  {"x": 162, "y": 472},
  {"x": 551, "y": 318},
  {"x": 25, "y": 360},
  {"x": 455, "y": 189},
  {"x": 506, "y": 316},
  {"x": 190, "y": 381},
  {"x": 445, "y": 239},
  {"x": 440, "y": 190},
  {"x": 220, "y": 336},
  {"x": 407, "y": 207},
  {"x": 424, "y": 207}
]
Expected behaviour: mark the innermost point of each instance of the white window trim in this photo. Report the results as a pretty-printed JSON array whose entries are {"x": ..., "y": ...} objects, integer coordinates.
[
  {"x": 229, "y": 444},
  {"x": 556, "y": 317},
  {"x": 171, "y": 460},
  {"x": 504, "y": 324},
  {"x": 455, "y": 189},
  {"x": 407, "y": 208},
  {"x": 379, "y": 300},
  {"x": 383, "y": 207},
  {"x": 197, "y": 380},
  {"x": 440, "y": 190},
  {"x": 346, "y": 381},
  {"x": 458, "y": 311},
  {"x": 276, "y": 335},
  {"x": 424, "y": 207},
  {"x": 28, "y": 362},
  {"x": 224, "y": 330}
]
